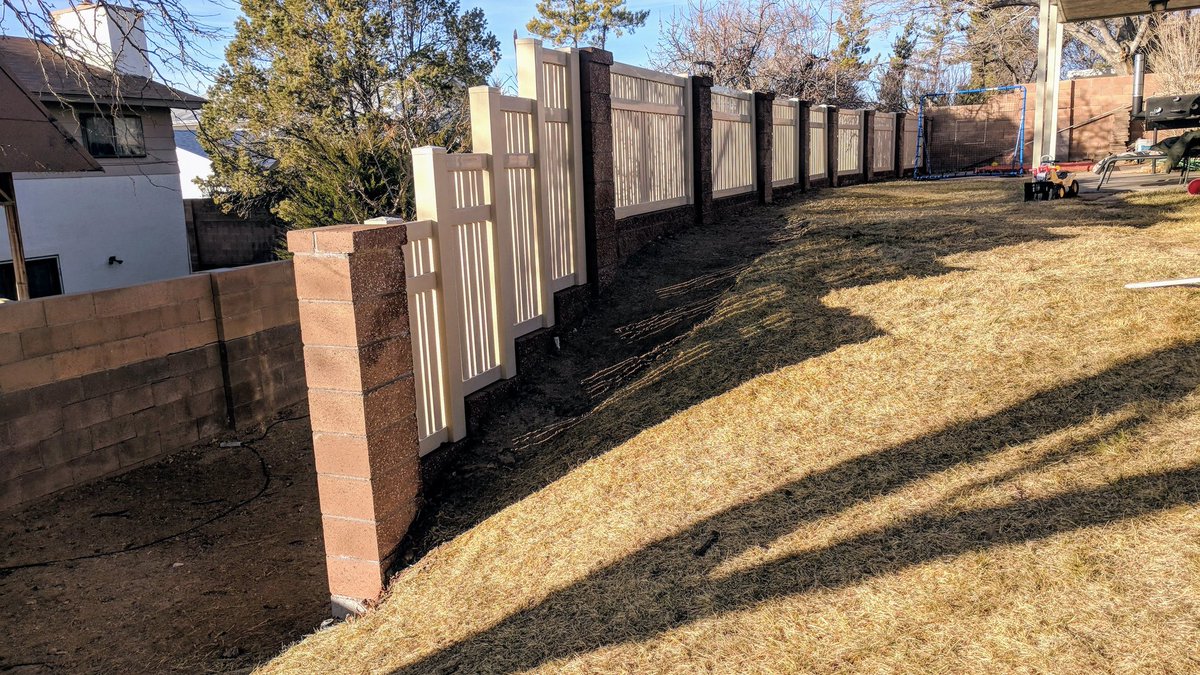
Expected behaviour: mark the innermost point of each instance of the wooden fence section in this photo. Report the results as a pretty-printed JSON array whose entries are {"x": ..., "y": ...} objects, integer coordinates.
[
  {"x": 818, "y": 155},
  {"x": 883, "y": 139},
  {"x": 733, "y": 142},
  {"x": 652, "y": 141},
  {"x": 849, "y": 150},
  {"x": 909, "y": 152},
  {"x": 785, "y": 146}
]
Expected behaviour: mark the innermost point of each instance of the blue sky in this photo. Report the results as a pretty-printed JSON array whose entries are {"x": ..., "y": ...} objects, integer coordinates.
[{"x": 503, "y": 17}]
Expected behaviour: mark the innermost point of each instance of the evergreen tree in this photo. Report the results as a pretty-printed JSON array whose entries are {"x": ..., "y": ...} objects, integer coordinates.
[
  {"x": 580, "y": 22},
  {"x": 319, "y": 103},
  {"x": 848, "y": 60},
  {"x": 892, "y": 94}
]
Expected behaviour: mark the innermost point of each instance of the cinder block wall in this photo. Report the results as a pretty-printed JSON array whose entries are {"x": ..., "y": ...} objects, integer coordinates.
[{"x": 94, "y": 384}]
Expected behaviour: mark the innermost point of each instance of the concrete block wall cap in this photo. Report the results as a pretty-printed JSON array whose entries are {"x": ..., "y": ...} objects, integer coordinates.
[
  {"x": 353, "y": 238},
  {"x": 596, "y": 55},
  {"x": 384, "y": 220},
  {"x": 428, "y": 150}
]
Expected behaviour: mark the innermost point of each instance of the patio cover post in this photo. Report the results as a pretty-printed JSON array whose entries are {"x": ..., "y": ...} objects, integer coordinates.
[
  {"x": 8, "y": 199},
  {"x": 1045, "y": 115}
]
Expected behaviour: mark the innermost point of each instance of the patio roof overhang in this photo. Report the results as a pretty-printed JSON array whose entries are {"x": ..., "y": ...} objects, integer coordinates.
[{"x": 1071, "y": 11}]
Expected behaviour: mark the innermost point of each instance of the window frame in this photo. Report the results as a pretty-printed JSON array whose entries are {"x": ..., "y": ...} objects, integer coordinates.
[{"x": 111, "y": 119}]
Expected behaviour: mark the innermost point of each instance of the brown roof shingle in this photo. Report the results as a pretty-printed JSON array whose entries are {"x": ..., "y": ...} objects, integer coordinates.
[{"x": 52, "y": 76}]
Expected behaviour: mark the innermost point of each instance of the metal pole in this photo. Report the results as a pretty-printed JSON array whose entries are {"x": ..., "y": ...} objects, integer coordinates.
[{"x": 8, "y": 195}]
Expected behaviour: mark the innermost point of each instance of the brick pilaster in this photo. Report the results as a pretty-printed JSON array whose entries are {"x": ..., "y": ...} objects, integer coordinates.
[
  {"x": 358, "y": 362},
  {"x": 702, "y": 147},
  {"x": 898, "y": 151},
  {"x": 764, "y": 117},
  {"x": 868, "y": 145},
  {"x": 599, "y": 191},
  {"x": 803, "y": 111}
]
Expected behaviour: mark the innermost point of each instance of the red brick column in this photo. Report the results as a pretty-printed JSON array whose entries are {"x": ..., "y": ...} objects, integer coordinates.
[{"x": 358, "y": 361}]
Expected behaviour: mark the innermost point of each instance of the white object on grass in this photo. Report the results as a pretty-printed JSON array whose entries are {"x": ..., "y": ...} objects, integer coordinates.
[{"x": 1195, "y": 281}]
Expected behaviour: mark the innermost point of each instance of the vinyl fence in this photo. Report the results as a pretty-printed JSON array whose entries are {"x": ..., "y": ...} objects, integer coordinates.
[
  {"x": 652, "y": 148},
  {"x": 883, "y": 138},
  {"x": 733, "y": 142},
  {"x": 499, "y": 230},
  {"x": 818, "y": 151},
  {"x": 909, "y": 152},
  {"x": 785, "y": 147},
  {"x": 849, "y": 150}
]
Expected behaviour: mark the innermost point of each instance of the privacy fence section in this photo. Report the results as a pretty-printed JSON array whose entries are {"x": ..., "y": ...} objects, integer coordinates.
[
  {"x": 908, "y": 153},
  {"x": 785, "y": 150},
  {"x": 733, "y": 144},
  {"x": 818, "y": 143},
  {"x": 412, "y": 329},
  {"x": 849, "y": 142},
  {"x": 652, "y": 152},
  {"x": 883, "y": 140}
]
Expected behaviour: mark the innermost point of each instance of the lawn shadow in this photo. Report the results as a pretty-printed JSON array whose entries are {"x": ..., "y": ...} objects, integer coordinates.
[
  {"x": 667, "y": 335},
  {"x": 671, "y": 583}
]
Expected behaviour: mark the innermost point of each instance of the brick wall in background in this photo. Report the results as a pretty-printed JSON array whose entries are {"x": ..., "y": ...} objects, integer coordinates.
[
  {"x": 94, "y": 384},
  {"x": 217, "y": 239}
]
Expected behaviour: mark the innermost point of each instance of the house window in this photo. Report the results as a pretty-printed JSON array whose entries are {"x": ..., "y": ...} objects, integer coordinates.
[
  {"x": 43, "y": 274},
  {"x": 114, "y": 135}
]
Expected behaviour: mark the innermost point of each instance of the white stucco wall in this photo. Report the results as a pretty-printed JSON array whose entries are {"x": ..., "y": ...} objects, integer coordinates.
[
  {"x": 84, "y": 219},
  {"x": 191, "y": 167}
]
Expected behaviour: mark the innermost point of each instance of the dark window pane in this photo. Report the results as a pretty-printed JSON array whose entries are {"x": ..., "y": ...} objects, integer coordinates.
[
  {"x": 119, "y": 136},
  {"x": 44, "y": 278}
]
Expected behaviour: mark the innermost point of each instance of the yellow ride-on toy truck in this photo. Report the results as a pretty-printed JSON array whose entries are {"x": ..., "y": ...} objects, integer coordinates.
[{"x": 1050, "y": 182}]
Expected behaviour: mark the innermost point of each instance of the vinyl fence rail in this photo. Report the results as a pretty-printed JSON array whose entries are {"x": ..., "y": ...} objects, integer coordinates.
[
  {"x": 818, "y": 156},
  {"x": 733, "y": 142},
  {"x": 652, "y": 140},
  {"x": 849, "y": 142},
  {"x": 785, "y": 145},
  {"x": 883, "y": 139}
]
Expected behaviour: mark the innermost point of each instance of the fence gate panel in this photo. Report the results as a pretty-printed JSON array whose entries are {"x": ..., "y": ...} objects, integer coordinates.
[
  {"x": 785, "y": 143},
  {"x": 652, "y": 146},
  {"x": 733, "y": 142}
]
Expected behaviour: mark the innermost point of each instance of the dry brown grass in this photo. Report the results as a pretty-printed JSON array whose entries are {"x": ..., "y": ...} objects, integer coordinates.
[{"x": 928, "y": 431}]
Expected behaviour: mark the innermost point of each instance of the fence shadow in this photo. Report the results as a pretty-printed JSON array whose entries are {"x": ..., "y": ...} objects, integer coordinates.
[
  {"x": 672, "y": 582},
  {"x": 666, "y": 337}
]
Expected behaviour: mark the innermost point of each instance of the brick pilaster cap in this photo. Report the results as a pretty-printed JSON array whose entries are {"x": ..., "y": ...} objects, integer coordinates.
[{"x": 596, "y": 55}]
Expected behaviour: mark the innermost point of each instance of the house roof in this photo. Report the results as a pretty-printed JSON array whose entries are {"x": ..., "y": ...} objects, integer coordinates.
[
  {"x": 51, "y": 76},
  {"x": 30, "y": 139},
  {"x": 1084, "y": 10}
]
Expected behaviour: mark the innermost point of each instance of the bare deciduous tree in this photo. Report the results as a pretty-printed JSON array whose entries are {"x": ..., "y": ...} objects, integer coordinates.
[{"x": 1175, "y": 55}]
